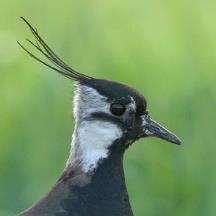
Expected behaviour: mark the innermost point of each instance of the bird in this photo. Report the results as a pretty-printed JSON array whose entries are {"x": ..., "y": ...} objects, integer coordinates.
[{"x": 109, "y": 116}]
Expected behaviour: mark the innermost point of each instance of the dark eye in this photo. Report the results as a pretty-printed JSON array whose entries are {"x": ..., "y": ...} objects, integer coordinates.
[{"x": 117, "y": 109}]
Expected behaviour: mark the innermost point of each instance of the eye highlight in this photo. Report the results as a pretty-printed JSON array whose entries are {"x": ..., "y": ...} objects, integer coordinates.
[{"x": 117, "y": 109}]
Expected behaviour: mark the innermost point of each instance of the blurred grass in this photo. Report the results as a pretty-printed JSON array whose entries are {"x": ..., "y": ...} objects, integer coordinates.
[{"x": 166, "y": 49}]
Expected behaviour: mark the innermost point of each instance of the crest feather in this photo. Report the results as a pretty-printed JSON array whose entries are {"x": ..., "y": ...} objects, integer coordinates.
[{"x": 55, "y": 62}]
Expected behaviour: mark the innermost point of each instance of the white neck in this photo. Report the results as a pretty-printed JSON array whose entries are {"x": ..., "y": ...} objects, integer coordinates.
[{"x": 90, "y": 143}]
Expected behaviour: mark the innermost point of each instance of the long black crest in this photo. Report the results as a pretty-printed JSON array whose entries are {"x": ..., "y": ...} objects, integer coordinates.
[{"x": 56, "y": 63}]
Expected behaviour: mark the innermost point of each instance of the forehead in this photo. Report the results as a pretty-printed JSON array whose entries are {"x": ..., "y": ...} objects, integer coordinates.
[{"x": 120, "y": 92}]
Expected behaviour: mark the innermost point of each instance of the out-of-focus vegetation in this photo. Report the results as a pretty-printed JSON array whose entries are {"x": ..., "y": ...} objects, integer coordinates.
[{"x": 166, "y": 49}]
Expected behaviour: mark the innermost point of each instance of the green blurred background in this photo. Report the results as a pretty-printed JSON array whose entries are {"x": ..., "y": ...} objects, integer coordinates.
[{"x": 166, "y": 49}]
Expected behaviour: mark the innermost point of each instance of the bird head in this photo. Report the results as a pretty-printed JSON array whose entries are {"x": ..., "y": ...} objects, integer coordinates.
[
  {"x": 119, "y": 105},
  {"x": 107, "y": 113}
]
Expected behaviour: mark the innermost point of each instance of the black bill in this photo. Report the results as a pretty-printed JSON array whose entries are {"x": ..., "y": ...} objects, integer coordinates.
[{"x": 152, "y": 128}]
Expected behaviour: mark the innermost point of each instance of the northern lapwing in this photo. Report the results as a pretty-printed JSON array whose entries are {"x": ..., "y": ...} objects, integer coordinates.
[{"x": 109, "y": 117}]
